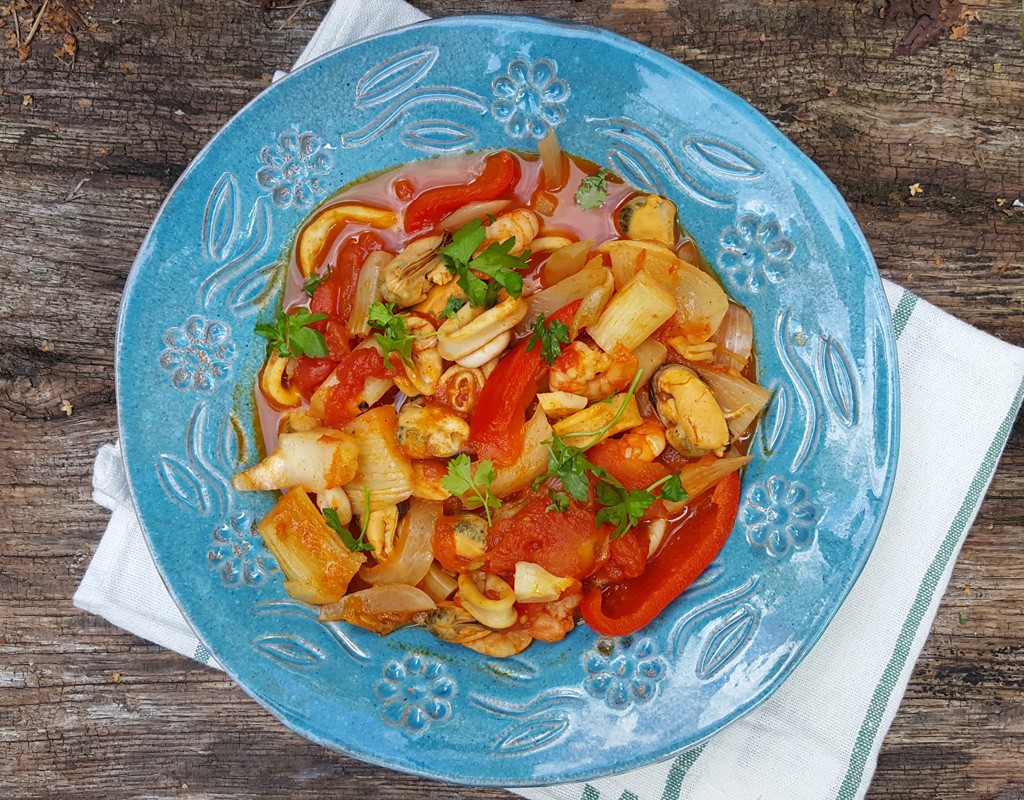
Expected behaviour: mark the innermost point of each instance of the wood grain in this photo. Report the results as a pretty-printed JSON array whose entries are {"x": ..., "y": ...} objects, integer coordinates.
[{"x": 83, "y": 170}]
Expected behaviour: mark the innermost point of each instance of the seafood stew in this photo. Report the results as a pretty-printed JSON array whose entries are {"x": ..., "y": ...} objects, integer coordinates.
[{"x": 501, "y": 395}]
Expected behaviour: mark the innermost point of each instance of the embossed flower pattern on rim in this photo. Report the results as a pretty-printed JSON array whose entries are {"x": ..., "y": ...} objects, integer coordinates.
[
  {"x": 623, "y": 671},
  {"x": 239, "y": 556},
  {"x": 197, "y": 354},
  {"x": 529, "y": 98},
  {"x": 293, "y": 167},
  {"x": 755, "y": 250},
  {"x": 779, "y": 516},
  {"x": 415, "y": 692}
]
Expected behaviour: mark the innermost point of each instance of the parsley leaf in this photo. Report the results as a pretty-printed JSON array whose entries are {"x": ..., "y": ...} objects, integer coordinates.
[
  {"x": 313, "y": 281},
  {"x": 495, "y": 262},
  {"x": 593, "y": 191},
  {"x": 559, "y": 502},
  {"x": 621, "y": 507},
  {"x": 462, "y": 479},
  {"x": 465, "y": 241},
  {"x": 454, "y": 304},
  {"x": 396, "y": 337},
  {"x": 673, "y": 490},
  {"x": 551, "y": 337},
  {"x": 354, "y": 545},
  {"x": 570, "y": 466},
  {"x": 289, "y": 336},
  {"x": 624, "y": 509}
]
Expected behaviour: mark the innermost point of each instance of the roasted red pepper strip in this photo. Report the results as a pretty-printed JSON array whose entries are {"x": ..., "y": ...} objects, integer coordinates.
[
  {"x": 342, "y": 404},
  {"x": 498, "y": 425},
  {"x": 500, "y": 174},
  {"x": 336, "y": 294},
  {"x": 624, "y": 608}
]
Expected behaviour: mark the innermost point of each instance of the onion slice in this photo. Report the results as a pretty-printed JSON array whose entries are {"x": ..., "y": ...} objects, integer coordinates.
[
  {"x": 700, "y": 476},
  {"x": 532, "y": 462},
  {"x": 548, "y": 301},
  {"x": 734, "y": 338},
  {"x": 412, "y": 555},
  {"x": 741, "y": 401},
  {"x": 471, "y": 211},
  {"x": 367, "y": 292},
  {"x": 380, "y": 609},
  {"x": 551, "y": 160},
  {"x": 566, "y": 261}
]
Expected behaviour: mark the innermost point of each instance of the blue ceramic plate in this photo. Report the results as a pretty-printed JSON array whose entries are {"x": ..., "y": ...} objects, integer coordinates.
[{"x": 785, "y": 246}]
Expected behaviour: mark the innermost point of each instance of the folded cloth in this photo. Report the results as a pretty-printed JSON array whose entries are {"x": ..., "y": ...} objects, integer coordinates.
[{"x": 952, "y": 376}]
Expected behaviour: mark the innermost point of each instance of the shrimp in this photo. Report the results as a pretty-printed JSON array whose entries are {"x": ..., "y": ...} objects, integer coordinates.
[
  {"x": 501, "y": 644},
  {"x": 590, "y": 372},
  {"x": 521, "y": 225},
  {"x": 645, "y": 442},
  {"x": 450, "y": 623},
  {"x": 555, "y": 620}
]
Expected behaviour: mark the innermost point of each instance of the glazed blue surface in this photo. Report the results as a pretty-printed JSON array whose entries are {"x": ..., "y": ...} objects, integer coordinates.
[{"x": 785, "y": 246}]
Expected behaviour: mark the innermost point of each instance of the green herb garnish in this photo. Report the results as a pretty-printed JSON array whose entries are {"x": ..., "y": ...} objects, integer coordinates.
[
  {"x": 624, "y": 508},
  {"x": 673, "y": 490},
  {"x": 550, "y": 337},
  {"x": 621, "y": 507},
  {"x": 289, "y": 335},
  {"x": 313, "y": 281},
  {"x": 354, "y": 545},
  {"x": 495, "y": 262},
  {"x": 396, "y": 337},
  {"x": 452, "y": 308},
  {"x": 593, "y": 191},
  {"x": 462, "y": 479},
  {"x": 570, "y": 466}
]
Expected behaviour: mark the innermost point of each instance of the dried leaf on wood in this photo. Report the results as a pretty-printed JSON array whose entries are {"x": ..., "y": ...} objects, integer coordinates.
[{"x": 933, "y": 19}]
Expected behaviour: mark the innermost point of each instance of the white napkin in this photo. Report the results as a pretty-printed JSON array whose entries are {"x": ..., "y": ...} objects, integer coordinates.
[{"x": 818, "y": 736}]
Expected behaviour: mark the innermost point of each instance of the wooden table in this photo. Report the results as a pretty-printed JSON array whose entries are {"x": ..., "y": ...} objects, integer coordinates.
[{"x": 89, "y": 149}]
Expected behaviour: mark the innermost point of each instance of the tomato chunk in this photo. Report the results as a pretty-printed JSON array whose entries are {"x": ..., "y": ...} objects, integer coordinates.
[
  {"x": 336, "y": 294},
  {"x": 344, "y": 397},
  {"x": 499, "y": 424},
  {"x": 567, "y": 544}
]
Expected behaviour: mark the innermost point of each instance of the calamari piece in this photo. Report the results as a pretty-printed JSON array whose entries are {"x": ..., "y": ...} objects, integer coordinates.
[{"x": 316, "y": 460}]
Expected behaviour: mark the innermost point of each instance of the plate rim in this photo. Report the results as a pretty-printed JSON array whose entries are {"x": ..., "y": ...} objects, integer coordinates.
[{"x": 887, "y": 352}]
